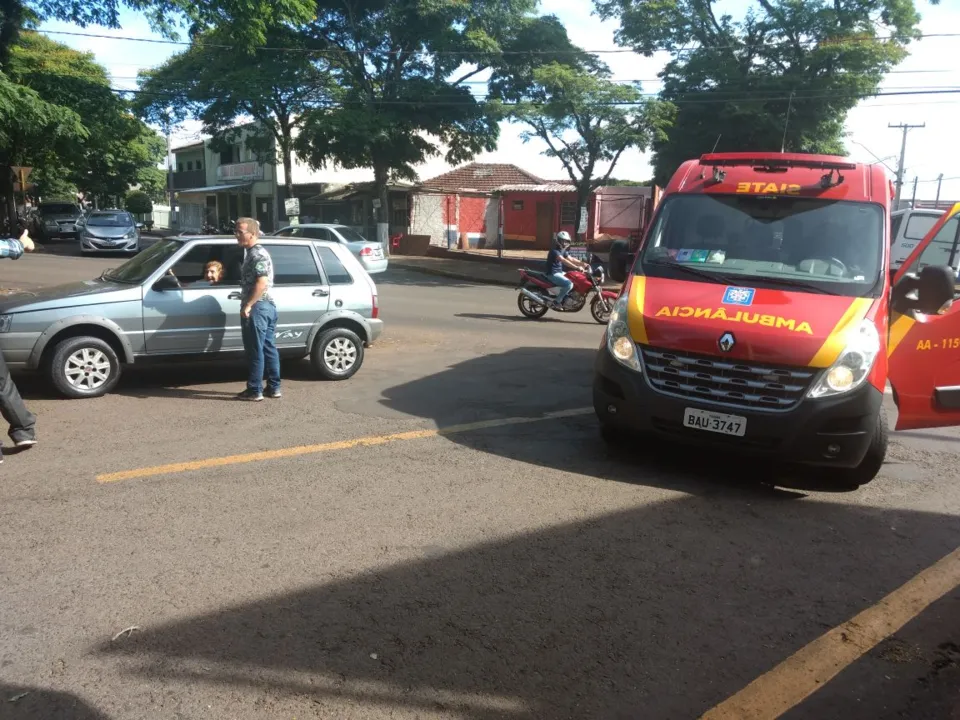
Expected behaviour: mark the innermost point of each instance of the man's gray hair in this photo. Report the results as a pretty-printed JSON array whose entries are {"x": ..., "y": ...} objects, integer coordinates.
[{"x": 253, "y": 225}]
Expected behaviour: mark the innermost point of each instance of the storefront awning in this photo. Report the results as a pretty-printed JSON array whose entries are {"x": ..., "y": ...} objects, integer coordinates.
[{"x": 215, "y": 189}]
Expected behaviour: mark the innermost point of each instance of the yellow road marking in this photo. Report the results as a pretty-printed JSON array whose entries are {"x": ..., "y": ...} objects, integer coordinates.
[
  {"x": 329, "y": 447},
  {"x": 811, "y": 667}
]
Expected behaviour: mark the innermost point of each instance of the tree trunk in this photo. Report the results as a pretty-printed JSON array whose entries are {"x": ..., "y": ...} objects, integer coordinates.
[
  {"x": 9, "y": 213},
  {"x": 380, "y": 174},
  {"x": 583, "y": 200}
]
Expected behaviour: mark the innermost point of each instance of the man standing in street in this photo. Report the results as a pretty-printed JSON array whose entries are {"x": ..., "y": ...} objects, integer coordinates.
[
  {"x": 23, "y": 423},
  {"x": 258, "y": 314}
]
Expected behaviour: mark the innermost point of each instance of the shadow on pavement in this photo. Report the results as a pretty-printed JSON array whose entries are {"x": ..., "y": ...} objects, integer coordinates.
[
  {"x": 669, "y": 607},
  {"x": 36, "y": 704},
  {"x": 527, "y": 382},
  {"x": 410, "y": 277}
]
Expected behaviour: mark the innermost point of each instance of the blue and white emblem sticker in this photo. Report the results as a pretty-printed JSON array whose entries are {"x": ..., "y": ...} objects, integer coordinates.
[{"x": 738, "y": 296}]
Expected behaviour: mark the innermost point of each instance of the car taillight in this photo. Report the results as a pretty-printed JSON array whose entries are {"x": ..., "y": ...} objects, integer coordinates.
[
  {"x": 365, "y": 252},
  {"x": 376, "y": 307}
]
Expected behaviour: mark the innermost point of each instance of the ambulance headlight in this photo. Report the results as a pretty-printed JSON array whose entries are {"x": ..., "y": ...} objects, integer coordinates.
[
  {"x": 619, "y": 343},
  {"x": 853, "y": 366}
]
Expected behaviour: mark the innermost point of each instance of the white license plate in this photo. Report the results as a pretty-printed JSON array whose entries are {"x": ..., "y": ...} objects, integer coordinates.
[
  {"x": 715, "y": 422},
  {"x": 67, "y": 228},
  {"x": 378, "y": 253}
]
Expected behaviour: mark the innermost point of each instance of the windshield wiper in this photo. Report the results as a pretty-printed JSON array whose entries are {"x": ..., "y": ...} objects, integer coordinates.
[{"x": 798, "y": 284}]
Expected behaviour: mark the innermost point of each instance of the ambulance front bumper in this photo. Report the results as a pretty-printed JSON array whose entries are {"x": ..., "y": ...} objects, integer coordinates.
[{"x": 834, "y": 432}]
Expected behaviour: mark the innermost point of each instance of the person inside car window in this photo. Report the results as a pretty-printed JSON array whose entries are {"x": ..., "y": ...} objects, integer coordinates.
[{"x": 212, "y": 275}]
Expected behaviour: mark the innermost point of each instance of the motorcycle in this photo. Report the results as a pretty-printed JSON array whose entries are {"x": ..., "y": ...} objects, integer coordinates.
[{"x": 537, "y": 293}]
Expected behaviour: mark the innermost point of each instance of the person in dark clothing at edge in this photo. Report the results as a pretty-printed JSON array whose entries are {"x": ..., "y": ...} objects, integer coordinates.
[
  {"x": 258, "y": 313},
  {"x": 22, "y": 422},
  {"x": 558, "y": 261}
]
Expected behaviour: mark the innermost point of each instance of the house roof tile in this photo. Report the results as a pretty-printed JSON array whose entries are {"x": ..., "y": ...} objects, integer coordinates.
[{"x": 481, "y": 177}]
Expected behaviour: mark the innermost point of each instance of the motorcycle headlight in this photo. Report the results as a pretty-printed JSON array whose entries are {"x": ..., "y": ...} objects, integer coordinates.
[
  {"x": 619, "y": 343},
  {"x": 852, "y": 366}
]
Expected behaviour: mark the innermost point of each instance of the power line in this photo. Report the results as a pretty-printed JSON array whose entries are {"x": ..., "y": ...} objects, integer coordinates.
[{"x": 487, "y": 53}]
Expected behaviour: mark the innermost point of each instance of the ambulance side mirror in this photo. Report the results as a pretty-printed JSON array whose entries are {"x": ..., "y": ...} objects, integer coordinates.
[
  {"x": 619, "y": 261},
  {"x": 928, "y": 292}
]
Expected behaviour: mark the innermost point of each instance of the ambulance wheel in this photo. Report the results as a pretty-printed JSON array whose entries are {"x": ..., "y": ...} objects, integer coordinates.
[{"x": 869, "y": 467}]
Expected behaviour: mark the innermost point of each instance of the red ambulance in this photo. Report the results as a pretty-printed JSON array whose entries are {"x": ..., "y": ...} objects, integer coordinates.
[{"x": 760, "y": 316}]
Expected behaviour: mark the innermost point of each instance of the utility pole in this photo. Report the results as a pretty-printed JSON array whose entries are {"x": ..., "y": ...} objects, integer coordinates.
[
  {"x": 936, "y": 202},
  {"x": 913, "y": 202},
  {"x": 169, "y": 176},
  {"x": 905, "y": 127}
]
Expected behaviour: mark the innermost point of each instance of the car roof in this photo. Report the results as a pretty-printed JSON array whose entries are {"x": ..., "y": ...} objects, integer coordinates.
[
  {"x": 928, "y": 211},
  {"x": 271, "y": 239}
]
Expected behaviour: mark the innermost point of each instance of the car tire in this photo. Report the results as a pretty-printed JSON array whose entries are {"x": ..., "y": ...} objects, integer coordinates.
[
  {"x": 337, "y": 354},
  {"x": 870, "y": 466},
  {"x": 74, "y": 380}
]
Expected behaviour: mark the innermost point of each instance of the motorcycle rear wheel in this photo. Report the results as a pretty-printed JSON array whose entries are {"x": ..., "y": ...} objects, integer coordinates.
[{"x": 530, "y": 309}]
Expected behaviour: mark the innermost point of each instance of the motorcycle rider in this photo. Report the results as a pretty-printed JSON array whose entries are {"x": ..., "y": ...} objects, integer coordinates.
[{"x": 558, "y": 261}]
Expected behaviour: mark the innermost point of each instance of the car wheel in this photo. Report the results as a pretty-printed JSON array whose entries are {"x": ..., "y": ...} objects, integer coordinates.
[
  {"x": 84, "y": 367},
  {"x": 870, "y": 466},
  {"x": 337, "y": 354}
]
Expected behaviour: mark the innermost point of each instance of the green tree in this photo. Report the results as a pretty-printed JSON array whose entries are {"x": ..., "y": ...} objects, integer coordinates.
[
  {"x": 59, "y": 115},
  {"x": 272, "y": 88},
  {"x": 784, "y": 75},
  {"x": 138, "y": 202},
  {"x": 403, "y": 68},
  {"x": 587, "y": 120}
]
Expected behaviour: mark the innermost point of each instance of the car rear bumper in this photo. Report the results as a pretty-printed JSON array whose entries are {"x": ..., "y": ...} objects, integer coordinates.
[
  {"x": 376, "y": 330},
  {"x": 374, "y": 267},
  {"x": 833, "y": 432}
]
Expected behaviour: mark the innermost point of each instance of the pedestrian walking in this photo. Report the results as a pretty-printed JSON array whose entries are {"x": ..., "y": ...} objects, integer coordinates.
[
  {"x": 22, "y": 422},
  {"x": 258, "y": 314}
]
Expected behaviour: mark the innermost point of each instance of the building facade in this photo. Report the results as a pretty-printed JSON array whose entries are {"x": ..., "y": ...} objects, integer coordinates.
[{"x": 212, "y": 188}]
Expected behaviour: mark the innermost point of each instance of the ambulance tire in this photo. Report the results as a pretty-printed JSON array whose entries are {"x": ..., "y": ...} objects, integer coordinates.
[{"x": 869, "y": 467}]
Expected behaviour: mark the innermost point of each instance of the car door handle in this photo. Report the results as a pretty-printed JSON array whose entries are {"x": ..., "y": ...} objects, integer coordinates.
[
  {"x": 321, "y": 293},
  {"x": 233, "y": 296}
]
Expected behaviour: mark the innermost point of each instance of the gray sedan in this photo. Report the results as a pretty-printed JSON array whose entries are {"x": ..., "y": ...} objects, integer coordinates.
[
  {"x": 109, "y": 231},
  {"x": 370, "y": 254},
  {"x": 157, "y": 307}
]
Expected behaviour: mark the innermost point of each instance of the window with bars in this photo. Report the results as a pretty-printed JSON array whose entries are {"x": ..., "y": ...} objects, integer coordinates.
[{"x": 568, "y": 213}]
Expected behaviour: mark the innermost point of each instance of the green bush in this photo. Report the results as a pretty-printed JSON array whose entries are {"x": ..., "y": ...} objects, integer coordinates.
[{"x": 139, "y": 203}]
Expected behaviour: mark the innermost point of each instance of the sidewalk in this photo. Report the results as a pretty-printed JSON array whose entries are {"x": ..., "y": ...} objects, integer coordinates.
[{"x": 475, "y": 271}]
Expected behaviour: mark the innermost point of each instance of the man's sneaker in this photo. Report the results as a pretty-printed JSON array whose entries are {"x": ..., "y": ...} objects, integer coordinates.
[
  {"x": 250, "y": 396},
  {"x": 25, "y": 443},
  {"x": 272, "y": 394}
]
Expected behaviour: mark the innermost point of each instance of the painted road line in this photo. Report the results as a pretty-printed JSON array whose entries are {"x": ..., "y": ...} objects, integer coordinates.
[
  {"x": 369, "y": 441},
  {"x": 810, "y": 668}
]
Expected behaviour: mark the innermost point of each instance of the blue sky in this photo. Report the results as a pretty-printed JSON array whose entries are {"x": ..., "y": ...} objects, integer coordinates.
[{"x": 933, "y": 64}]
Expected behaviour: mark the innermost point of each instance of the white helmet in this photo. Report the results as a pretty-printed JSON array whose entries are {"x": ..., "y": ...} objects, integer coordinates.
[{"x": 563, "y": 238}]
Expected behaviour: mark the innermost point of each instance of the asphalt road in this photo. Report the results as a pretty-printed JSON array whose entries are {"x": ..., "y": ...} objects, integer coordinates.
[{"x": 505, "y": 569}]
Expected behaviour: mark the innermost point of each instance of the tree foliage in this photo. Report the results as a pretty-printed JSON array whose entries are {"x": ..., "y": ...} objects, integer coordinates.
[
  {"x": 59, "y": 116},
  {"x": 218, "y": 87},
  {"x": 403, "y": 68},
  {"x": 739, "y": 83},
  {"x": 138, "y": 202},
  {"x": 587, "y": 120}
]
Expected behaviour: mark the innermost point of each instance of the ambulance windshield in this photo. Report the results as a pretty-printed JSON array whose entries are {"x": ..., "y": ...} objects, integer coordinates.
[{"x": 774, "y": 241}]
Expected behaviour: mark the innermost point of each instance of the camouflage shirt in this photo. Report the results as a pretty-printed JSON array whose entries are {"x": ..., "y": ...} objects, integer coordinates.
[{"x": 256, "y": 264}]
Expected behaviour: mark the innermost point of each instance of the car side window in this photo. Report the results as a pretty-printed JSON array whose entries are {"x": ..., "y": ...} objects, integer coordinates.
[
  {"x": 318, "y": 234},
  {"x": 189, "y": 268},
  {"x": 942, "y": 249},
  {"x": 293, "y": 265},
  {"x": 895, "y": 224},
  {"x": 336, "y": 273}
]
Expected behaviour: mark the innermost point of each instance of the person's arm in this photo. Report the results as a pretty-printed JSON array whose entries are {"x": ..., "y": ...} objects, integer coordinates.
[
  {"x": 571, "y": 263},
  {"x": 14, "y": 249}
]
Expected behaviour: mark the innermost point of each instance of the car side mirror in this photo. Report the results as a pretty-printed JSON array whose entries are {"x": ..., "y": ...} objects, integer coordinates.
[
  {"x": 619, "y": 261},
  {"x": 166, "y": 282},
  {"x": 930, "y": 292}
]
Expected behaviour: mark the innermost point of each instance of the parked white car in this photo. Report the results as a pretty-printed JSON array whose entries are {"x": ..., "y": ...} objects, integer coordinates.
[{"x": 370, "y": 254}]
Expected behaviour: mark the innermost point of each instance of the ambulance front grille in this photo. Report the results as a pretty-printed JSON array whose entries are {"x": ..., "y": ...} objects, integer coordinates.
[{"x": 749, "y": 385}]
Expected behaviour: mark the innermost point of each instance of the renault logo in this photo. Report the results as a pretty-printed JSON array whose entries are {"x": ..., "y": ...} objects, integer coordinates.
[{"x": 726, "y": 342}]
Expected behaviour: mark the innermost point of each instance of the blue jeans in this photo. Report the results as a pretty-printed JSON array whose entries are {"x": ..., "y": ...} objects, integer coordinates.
[
  {"x": 564, "y": 283},
  {"x": 260, "y": 345}
]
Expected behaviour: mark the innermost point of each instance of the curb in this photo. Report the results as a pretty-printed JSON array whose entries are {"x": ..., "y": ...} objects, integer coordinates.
[{"x": 455, "y": 275}]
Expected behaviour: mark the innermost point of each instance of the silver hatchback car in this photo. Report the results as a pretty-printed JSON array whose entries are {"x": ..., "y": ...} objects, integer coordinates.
[
  {"x": 157, "y": 307},
  {"x": 369, "y": 253}
]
